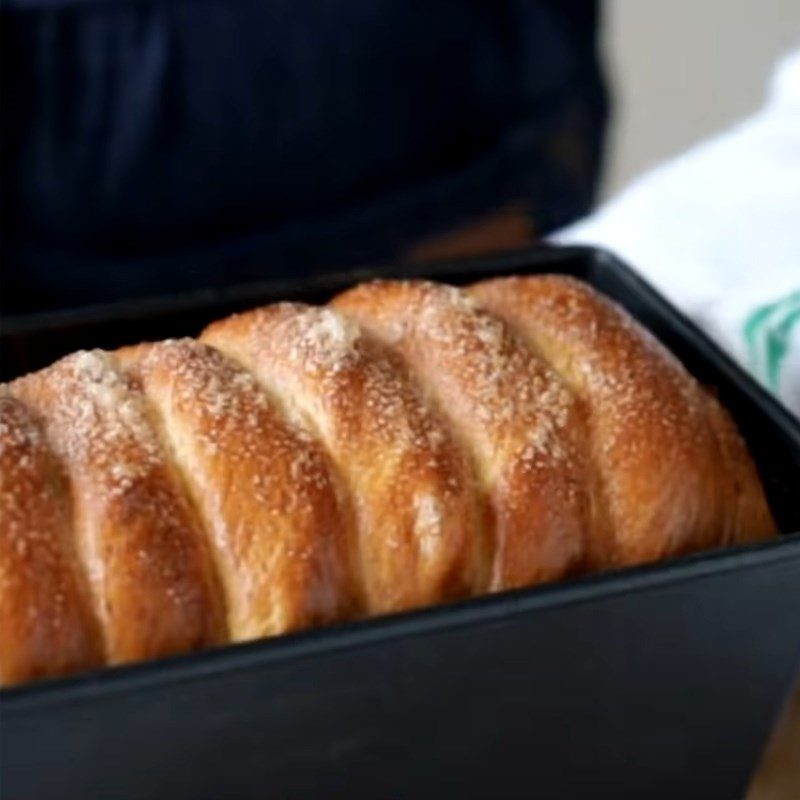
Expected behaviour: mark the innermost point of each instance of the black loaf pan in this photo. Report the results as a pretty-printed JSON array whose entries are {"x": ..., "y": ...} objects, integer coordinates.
[{"x": 656, "y": 682}]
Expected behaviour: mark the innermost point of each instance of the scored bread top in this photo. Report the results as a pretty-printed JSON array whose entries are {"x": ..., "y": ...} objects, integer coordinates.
[
  {"x": 520, "y": 423},
  {"x": 135, "y": 530},
  {"x": 410, "y": 487},
  {"x": 409, "y": 443},
  {"x": 662, "y": 472},
  {"x": 263, "y": 489}
]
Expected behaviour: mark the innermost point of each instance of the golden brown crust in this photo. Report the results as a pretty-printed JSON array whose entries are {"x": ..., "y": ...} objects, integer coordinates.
[
  {"x": 47, "y": 625},
  {"x": 522, "y": 427},
  {"x": 149, "y": 568},
  {"x": 745, "y": 513},
  {"x": 408, "y": 483},
  {"x": 410, "y": 443},
  {"x": 652, "y": 443},
  {"x": 263, "y": 489}
]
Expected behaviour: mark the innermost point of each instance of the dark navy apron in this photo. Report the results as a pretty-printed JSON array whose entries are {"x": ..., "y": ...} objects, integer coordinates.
[{"x": 151, "y": 147}]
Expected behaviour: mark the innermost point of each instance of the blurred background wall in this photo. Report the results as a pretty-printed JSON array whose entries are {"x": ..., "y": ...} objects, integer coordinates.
[{"x": 684, "y": 69}]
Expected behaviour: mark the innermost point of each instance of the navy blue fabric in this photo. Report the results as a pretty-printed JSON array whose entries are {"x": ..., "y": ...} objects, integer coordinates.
[{"x": 159, "y": 146}]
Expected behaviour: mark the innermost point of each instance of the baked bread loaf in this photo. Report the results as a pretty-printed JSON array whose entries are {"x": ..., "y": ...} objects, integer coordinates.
[{"x": 408, "y": 444}]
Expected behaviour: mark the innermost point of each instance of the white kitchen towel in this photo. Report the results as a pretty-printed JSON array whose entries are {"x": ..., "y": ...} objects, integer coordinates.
[{"x": 717, "y": 230}]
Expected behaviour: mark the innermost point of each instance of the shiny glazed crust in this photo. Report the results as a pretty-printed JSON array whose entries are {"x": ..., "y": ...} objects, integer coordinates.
[
  {"x": 408, "y": 485},
  {"x": 519, "y": 423},
  {"x": 47, "y": 625},
  {"x": 408, "y": 444},
  {"x": 261, "y": 486},
  {"x": 673, "y": 473},
  {"x": 135, "y": 531}
]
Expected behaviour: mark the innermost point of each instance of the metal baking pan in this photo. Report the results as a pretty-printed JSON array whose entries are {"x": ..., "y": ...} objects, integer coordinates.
[{"x": 660, "y": 681}]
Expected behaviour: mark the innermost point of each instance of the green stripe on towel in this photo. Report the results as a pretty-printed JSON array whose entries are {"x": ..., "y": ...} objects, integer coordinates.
[{"x": 767, "y": 332}]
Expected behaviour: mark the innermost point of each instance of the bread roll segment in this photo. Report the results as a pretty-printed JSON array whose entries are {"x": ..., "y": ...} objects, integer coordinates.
[
  {"x": 745, "y": 513},
  {"x": 47, "y": 625},
  {"x": 666, "y": 475},
  {"x": 521, "y": 426},
  {"x": 136, "y": 535},
  {"x": 409, "y": 486},
  {"x": 262, "y": 487}
]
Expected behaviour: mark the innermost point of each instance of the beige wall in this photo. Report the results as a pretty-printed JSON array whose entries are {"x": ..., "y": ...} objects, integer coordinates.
[{"x": 683, "y": 69}]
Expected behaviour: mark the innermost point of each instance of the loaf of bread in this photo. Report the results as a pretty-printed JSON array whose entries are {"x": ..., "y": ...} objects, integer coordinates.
[{"x": 295, "y": 466}]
